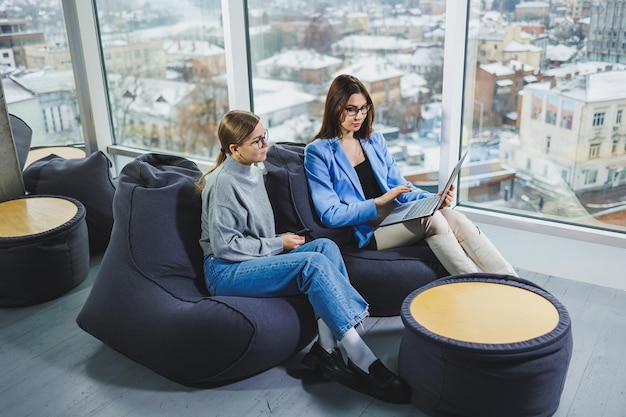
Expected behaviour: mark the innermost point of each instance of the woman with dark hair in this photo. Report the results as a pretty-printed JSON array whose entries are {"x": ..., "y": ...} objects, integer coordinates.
[
  {"x": 354, "y": 181},
  {"x": 245, "y": 257}
]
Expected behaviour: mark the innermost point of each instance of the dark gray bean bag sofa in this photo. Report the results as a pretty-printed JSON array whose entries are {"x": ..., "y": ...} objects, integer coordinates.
[
  {"x": 87, "y": 180},
  {"x": 384, "y": 278},
  {"x": 149, "y": 301},
  {"x": 22, "y": 137}
]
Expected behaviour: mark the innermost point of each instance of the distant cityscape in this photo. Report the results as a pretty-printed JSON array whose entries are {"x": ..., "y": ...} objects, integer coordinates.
[{"x": 546, "y": 82}]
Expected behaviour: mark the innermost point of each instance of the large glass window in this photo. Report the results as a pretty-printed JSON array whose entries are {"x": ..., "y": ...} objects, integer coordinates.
[
  {"x": 395, "y": 48},
  {"x": 166, "y": 73},
  {"x": 37, "y": 75},
  {"x": 541, "y": 110},
  {"x": 539, "y": 115}
]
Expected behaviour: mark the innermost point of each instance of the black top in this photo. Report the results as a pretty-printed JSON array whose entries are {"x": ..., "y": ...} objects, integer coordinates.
[{"x": 368, "y": 180}]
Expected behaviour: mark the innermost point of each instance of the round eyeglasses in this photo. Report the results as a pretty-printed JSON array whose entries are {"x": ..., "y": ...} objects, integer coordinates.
[
  {"x": 352, "y": 110},
  {"x": 261, "y": 140}
]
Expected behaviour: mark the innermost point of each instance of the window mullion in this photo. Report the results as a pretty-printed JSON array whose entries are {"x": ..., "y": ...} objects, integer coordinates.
[
  {"x": 237, "y": 47},
  {"x": 452, "y": 93},
  {"x": 85, "y": 49}
]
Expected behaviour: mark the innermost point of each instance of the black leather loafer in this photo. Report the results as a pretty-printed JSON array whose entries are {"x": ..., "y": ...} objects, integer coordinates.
[
  {"x": 331, "y": 365},
  {"x": 381, "y": 383}
]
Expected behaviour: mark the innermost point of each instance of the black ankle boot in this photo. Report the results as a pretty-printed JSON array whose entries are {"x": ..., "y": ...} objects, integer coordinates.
[
  {"x": 331, "y": 365},
  {"x": 381, "y": 383}
]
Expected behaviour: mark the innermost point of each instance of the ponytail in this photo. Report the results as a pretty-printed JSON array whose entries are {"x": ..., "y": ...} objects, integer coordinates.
[{"x": 221, "y": 157}]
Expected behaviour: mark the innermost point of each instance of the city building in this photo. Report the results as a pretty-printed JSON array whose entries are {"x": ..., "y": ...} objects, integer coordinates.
[
  {"x": 532, "y": 10},
  {"x": 557, "y": 55},
  {"x": 56, "y": 107},
  {"x": 305, "y": 66},
  {"x": 354, "y": 45},
  {"x": 494, "y": 40},
  {"x": 139, "y": 58},
  {"x": 607, "y": 31},
  {"x": 25, "y": 103},
  {"x": 46, "y": 57},
  {"x": 433, "y": 7},
  {"x": 15, "y": 35},
  {"x": 579, "y": 9},
  {"x": 406, "y": 26},
  {"x": 576, "y": 129},
  {"x": 526, "y": 53},
  {"x": 194, "y": 60},
  {"x": 6, "y": 58},
  {"x": 157, "y": 113},
  {"x": 497, "y": 88},
  {"x": 281, "y": 101},
  {"x": 381, "y": 79}
]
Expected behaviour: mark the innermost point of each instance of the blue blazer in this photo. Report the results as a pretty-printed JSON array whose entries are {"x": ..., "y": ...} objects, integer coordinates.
[{"x": 336, "y": 189}]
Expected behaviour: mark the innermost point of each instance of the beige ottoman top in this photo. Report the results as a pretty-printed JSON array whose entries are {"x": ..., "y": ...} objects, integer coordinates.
[
  {"x": 483, "y": 312},
  {"x": 29, "y": 216}
]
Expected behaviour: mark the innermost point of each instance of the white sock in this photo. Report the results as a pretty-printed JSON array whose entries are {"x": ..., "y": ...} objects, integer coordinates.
[
  {"x": 356, "y": 349},
  {"x": 360, "y": 329},
  {"x": 325, "y": 337}
]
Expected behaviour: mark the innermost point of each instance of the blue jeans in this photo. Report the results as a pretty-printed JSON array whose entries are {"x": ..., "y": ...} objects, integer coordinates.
[{"x": 315, "y": 269}]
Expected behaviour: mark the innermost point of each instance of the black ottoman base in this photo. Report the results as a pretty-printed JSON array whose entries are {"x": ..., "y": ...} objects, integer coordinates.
[
  {"x": 45, "y": 264},
  {"x": 451, "y": 377}
]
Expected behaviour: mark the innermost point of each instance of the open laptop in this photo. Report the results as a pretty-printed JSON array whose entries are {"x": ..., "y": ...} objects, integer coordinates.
[{"x": 423, "y": 207}]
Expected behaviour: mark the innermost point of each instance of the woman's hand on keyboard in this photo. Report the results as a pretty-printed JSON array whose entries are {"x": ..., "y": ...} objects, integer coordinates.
[{"x": 390, "y": 195}]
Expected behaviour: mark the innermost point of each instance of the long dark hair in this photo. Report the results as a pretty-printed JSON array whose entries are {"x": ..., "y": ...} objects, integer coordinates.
[
  {"x": 342, "y": 87},
  {"x": 234, "y": 128}
]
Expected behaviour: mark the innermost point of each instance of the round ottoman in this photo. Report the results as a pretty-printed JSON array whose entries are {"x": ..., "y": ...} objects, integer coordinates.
[
  {"x": 44, "y": 248},
  {"x": 485, "y": 345}
]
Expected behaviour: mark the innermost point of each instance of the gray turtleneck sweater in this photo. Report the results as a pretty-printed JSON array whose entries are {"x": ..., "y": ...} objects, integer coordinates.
[{"x": 237, "y": 217}]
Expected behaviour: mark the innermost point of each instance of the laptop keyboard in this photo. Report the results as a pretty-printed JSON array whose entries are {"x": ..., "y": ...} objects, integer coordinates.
[{"x": 420, "y": 205}]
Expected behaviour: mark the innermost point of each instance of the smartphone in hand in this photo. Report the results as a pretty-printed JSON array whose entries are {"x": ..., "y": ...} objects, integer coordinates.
[{"x": 302, "y": 231}]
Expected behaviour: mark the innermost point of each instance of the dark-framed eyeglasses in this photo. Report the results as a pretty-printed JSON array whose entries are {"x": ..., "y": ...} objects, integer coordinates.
[
  {"x": 261, "y": 140},
  {"x": 352, "y": 110}
]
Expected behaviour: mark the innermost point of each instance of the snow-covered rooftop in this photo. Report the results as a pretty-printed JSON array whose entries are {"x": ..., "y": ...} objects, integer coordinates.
[
  {"x": 13, "y": 92},
  {"x": 199, "y": 48},
  {"x": 515, "y": 46},
  {"x": 43, "y": 82},
  {"x": 155, "y": 96},
  {"x": 560, "y": 53},
  {"x": 498, "y": 69},
  {"x": 371, "y": 69},
  {"x": 301, "y": 58},
  {"x": 366, "y": 42}
]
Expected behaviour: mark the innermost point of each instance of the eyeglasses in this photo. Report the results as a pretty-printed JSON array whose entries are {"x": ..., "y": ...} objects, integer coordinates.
[
  {"x": 352, "y": 111},
  {"x": 261, "y": 140}
]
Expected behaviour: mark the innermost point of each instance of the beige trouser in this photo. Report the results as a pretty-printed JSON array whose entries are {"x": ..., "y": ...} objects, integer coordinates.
[{"x": 451, "y": 236}]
